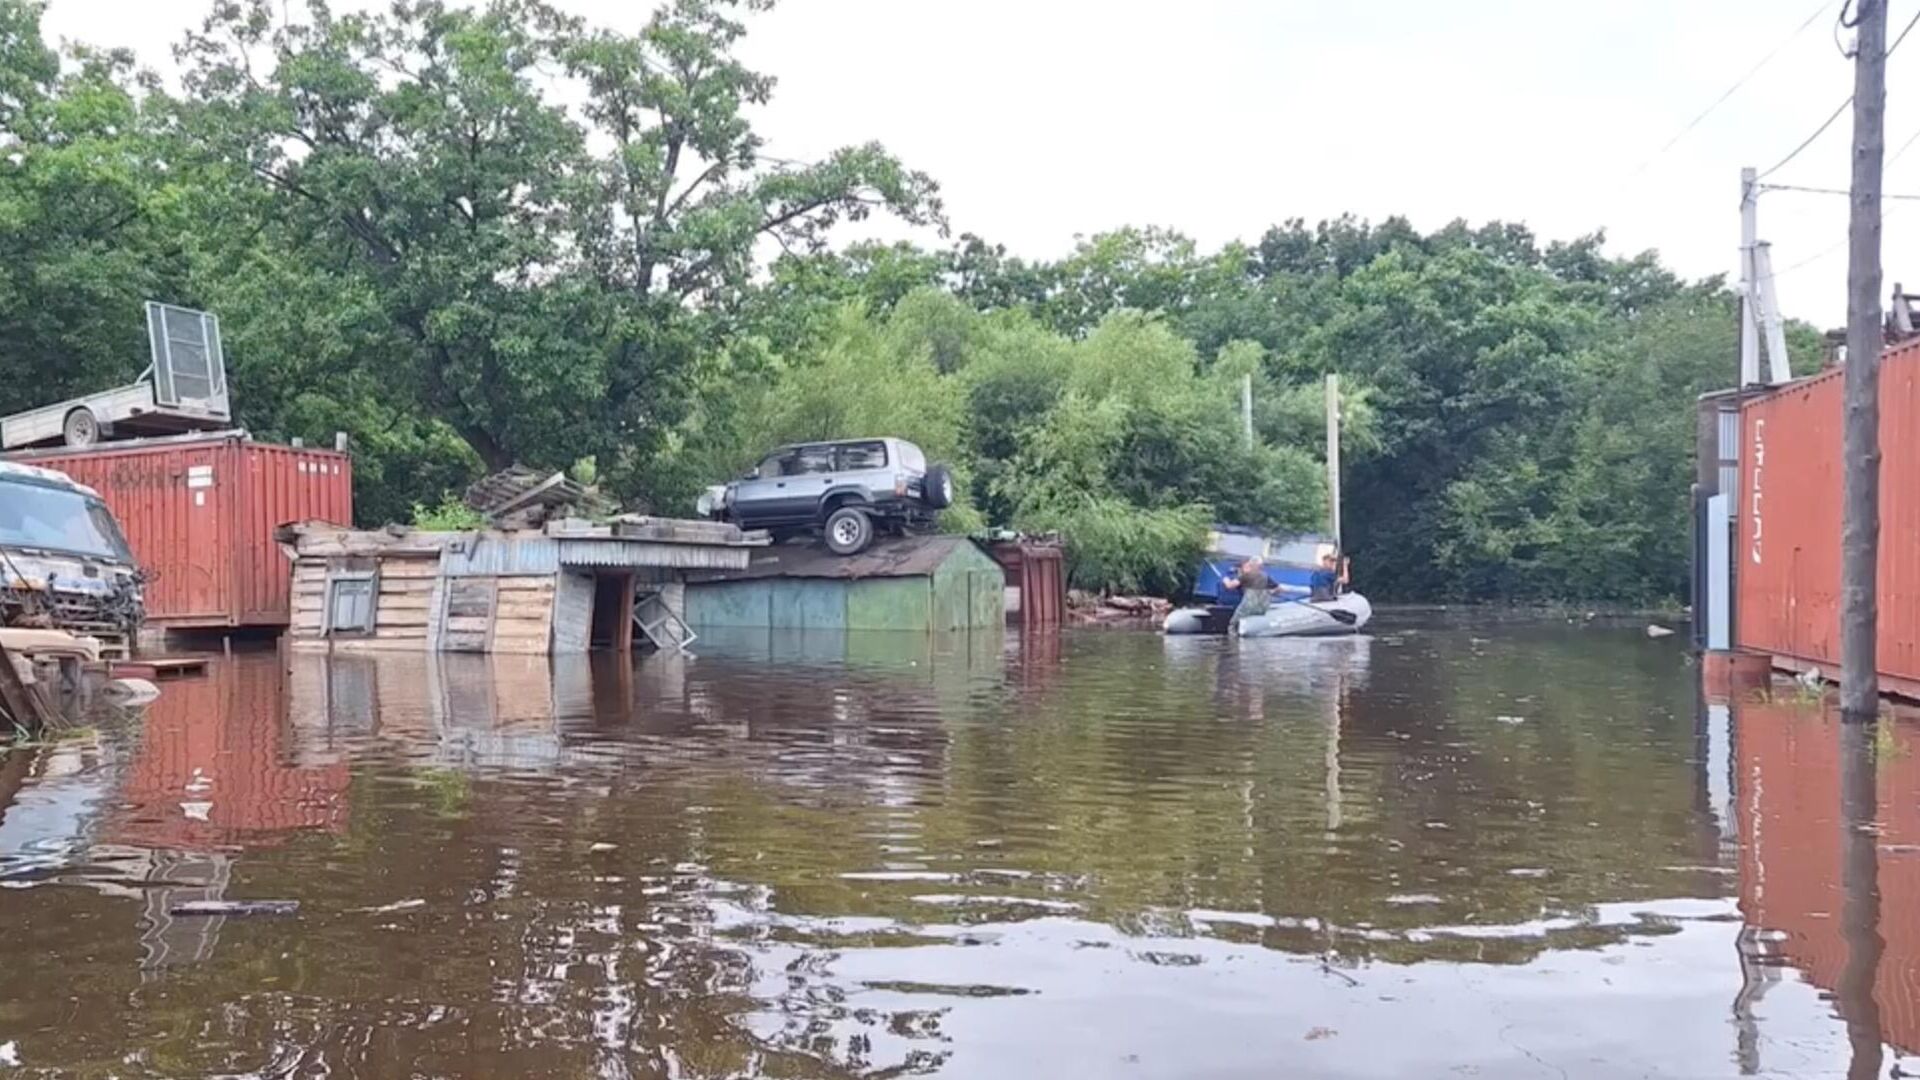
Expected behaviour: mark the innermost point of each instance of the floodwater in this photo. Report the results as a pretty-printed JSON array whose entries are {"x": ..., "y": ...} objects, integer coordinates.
[{"x": 1481, "y": 849}]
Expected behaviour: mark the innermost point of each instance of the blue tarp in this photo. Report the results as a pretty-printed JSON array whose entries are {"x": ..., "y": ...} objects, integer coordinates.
[{"x": 1290, "y": 561}]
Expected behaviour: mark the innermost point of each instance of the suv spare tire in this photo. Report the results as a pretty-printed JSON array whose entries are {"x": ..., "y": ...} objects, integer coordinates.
[
  {"x": 849, "y": 530},
  {"x": 938, "y": 486}
]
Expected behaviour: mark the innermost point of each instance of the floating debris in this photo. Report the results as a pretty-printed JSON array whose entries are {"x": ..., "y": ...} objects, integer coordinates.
[
  {"x": 397, "y": 905},
  {"x": 236, "y": 907}
]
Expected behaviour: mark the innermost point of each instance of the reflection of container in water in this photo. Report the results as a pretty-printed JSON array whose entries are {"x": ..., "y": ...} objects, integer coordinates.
[
  {"x": 1788, "y": 795},
  {"x": 215, "y": 766}
]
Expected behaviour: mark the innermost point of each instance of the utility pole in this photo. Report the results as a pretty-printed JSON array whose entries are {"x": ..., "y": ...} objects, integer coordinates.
[
  {"x": 1333, "y": 458},
  {"x": 1749, "y": 287},
  {"x": 1860, "y": 529}
]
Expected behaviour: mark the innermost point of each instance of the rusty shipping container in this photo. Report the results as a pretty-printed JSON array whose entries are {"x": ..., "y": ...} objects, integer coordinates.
[
  {"x": 1787, "y": 552},
  {"x": 1036, "y": 582},
  {"x": 200, "y": 512}
]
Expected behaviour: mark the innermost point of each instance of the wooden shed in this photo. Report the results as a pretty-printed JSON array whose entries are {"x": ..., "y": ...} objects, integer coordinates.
[
  {"x": 917, "y": 583},
  {"x": 564, "y": 588}
]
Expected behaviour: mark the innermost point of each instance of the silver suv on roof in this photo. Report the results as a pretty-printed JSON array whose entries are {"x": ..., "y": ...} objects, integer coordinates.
[{"x": 847, "y": 489}]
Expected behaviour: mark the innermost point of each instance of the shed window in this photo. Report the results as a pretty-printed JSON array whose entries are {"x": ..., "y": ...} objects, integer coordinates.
[{"x": 350, "y": 605}]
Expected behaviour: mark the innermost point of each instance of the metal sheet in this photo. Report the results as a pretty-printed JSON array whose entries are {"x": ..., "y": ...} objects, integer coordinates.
[
  {"x": 1788, "y": 549},
  {"x": 1719, "y": 581},
  {"x": 482, "y": 555},
  {"x": 641, "y": 553}
]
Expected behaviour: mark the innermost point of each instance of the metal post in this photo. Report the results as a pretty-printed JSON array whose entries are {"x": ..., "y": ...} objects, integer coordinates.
[
  {"x": 1860, "y": 527},
  {"x": 1778, "y": 370},
  {"x": 1333, "y": 458},
  {"x": 1749, "y": 326},
  {"x": 1246, "y": 408}
]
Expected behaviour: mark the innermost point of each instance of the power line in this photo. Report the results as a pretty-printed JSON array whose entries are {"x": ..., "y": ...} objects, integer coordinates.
[
  {"x": 1826, "y": 251},
  {"x": 1828, "y": 122},
  {"x": 1828, "y": 191},
  {"x": 1731, "y": 90},
  {"x": 1895, "y": 156}
]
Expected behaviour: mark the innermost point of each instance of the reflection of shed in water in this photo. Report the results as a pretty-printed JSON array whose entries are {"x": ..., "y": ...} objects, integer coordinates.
[
  {"x": 1787, "y": 794},
  {"x": 501, "y": 710},
  {"x": 916, "y": 583},
  {"x": 565, "y": 588}
]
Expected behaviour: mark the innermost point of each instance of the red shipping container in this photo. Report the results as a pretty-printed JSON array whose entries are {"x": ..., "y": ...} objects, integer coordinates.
[
  {"x": 1036, "y": 575},
  {"x": 1787, "y": 554},
  {"x": 200, "y": 512}
]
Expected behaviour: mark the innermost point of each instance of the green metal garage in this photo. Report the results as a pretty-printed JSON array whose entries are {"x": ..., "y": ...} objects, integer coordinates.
[{"x": 915, "y": 583}]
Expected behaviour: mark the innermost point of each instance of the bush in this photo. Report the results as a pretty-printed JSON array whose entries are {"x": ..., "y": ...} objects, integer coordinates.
[
  {"x": 452, "y": 515},
  {"x": 1119, "y": 548}
]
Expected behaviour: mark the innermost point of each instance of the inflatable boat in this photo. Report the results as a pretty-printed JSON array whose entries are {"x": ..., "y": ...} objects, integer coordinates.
[
  {"x": 1344, "y": 614},
  {"x": 1290, "y": 561}
]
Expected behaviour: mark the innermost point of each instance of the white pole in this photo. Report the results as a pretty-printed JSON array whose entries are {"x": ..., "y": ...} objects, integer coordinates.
[
  {"x": 1246, "y": 408},
  {"x": 1778, "y": 370},
  {"x": 1749, "y": 292},
  {"x": 1333, "y": 457}
]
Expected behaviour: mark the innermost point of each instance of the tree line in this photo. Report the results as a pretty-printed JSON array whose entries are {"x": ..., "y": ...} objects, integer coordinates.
[{"x": 473, "y": 236}]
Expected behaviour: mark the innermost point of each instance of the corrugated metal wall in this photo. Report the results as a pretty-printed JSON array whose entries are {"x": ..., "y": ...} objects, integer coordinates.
[
  {"x": 279, "y": 485},
  {"x": 1037, "y": 572},
  {"x": 966, "y": 591},
  {"x": 1788, "y": 554},
  {"x": 200, "y": 516}
]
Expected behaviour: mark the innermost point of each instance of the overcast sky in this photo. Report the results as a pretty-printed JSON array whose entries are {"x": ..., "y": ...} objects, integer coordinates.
[{"x": 1047, "y": 119}]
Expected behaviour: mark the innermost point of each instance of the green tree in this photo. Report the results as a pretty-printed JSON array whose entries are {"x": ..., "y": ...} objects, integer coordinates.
[
  {"x": 88, "y": 230},
  {"x": 543, "y": 297}
]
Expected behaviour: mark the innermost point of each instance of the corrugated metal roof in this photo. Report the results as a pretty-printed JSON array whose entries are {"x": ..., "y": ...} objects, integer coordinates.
[
  {"x": 638, "y": 553},
  {"x": 908, "y": 556}
]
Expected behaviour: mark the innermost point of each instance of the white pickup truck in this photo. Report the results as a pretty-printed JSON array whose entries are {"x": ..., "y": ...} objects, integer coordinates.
[{"x": 185, "y": 389}]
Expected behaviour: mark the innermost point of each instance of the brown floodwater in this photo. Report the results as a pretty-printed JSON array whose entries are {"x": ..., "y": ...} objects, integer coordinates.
[{"x": 1481, "y": 848}]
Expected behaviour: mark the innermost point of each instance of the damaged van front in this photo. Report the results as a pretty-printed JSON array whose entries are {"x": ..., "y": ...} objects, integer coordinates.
[{"x": 64, "y": 564}]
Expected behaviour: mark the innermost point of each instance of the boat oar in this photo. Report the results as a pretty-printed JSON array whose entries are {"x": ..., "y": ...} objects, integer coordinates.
[{"x": 1341, "y": 616}]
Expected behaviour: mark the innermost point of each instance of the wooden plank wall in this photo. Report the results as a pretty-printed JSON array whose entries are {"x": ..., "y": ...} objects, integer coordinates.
[
  {"x": 309, "y": 597},
  {"x": 512, "y": 614},
  {"x": 523, "y": 615}
]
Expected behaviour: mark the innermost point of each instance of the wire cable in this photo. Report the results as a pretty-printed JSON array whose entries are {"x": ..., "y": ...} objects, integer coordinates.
[
  {"x": 1831, "y": 191},
  {"x": 1828, "y": 122},
  {"x": 1731, "y": 90}
]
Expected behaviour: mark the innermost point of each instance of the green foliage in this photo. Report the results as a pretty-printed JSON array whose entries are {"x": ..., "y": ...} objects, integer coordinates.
[
  {"x": 542, "y": 281},
  {"x": 85, "y": 218},
  {"x": 451, "y": 515},
  {"x": 470, "y": 235},
  {"x": 1114, "y": 546}
]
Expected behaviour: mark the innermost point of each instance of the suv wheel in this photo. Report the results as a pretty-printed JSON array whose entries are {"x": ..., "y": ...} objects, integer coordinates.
[{"x": 849, "y": 530}]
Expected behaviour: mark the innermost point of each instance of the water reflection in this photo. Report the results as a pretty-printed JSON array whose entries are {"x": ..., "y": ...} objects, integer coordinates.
[
  {"x": 1451, "y": 849},
  {"x": 1829, "y": 817}
]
